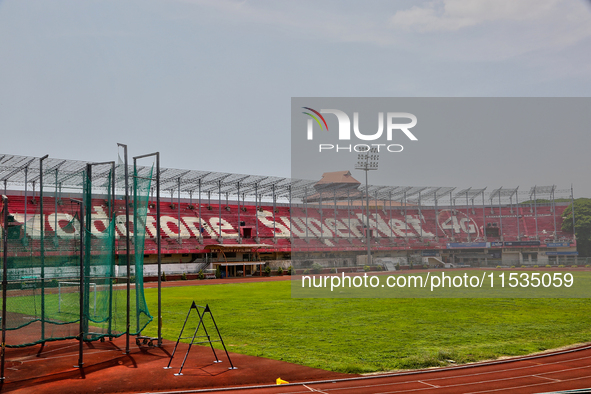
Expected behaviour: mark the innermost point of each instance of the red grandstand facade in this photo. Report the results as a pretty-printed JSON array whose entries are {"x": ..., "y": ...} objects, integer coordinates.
[
  {"x": 316, "y": 230},
  {"x": 291, "y": 220}
]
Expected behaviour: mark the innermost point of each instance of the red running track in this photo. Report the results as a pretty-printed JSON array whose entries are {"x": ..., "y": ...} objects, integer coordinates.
[{"x": 556, "y": 371}]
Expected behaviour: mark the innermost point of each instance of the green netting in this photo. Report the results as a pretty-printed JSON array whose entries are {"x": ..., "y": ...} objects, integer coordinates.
[
  {"x": 44, "y": 255},
  {"x": 102, "y": 314},
  {"x": 141, "y": 193},
  {"x": 42, "y": 259}
]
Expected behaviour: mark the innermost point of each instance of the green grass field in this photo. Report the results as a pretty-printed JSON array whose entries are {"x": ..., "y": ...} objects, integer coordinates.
[{"x": 368, "y": 335}]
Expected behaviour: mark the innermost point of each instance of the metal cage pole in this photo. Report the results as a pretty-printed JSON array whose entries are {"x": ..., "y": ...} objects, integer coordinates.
[
  {"x": 4, "y": 282},
  {"x": 81, "y": 297},
  {"x": 87, "y": 201},
  {"x": 127, "y": 247},
  {"x": 112, "y": 216},
  {"x": 135, "y": 232},
  {"x": 41, "y": 227}
]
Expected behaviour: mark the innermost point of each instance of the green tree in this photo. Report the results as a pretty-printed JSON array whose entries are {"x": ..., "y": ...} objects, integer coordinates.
[{"x": 582, "y": 224}]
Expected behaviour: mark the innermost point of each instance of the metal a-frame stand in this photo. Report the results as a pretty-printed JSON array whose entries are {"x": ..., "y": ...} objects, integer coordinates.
[{"x": 201, "y": 323}]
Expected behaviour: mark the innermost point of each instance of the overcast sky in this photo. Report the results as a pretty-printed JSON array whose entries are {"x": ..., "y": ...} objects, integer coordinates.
[{"x": 209, "y": 83}]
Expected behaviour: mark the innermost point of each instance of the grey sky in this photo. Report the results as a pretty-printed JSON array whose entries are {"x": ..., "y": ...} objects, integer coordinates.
[{"x": 209, "y": 83}]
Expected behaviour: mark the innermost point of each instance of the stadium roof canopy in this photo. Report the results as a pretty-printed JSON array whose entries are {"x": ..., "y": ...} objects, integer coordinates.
[{"x": 68, "y": 174}]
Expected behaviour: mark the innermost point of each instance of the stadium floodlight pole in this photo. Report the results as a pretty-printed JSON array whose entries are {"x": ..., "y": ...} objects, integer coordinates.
[
  {"x": 158, "y": 238},
  {"x": 127, "y": 246},
  {"x": 367, "y": 161},
  {"x": 4, "y": 281},
  {"x": 81, "y": 300}
]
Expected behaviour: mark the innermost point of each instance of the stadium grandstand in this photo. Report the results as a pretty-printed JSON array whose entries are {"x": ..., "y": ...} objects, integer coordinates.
[{"x": 243, "y": 223}]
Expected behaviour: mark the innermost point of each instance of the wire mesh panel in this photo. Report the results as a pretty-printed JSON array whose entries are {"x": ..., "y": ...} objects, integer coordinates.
[
  {"x": 44, "y": 259},
  {"x": 43, "y": 251}
]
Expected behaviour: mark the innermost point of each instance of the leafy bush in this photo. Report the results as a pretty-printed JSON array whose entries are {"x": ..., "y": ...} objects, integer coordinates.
[
  {"x": 498, "y": 266},
  {"x": 268, "y": 270},
  {"x": 163, "y": 277},
  {"x": 200, "y": 275},
  {"x": 561, "y": 266},
  {"x": 280, "y": 271},
  {"x": 184, "y": 276},
  {"x": 306, "y": 272},
  {"x": 289, "y": 270},
  {"x": 588, "y": 265},
  {"x": 366, "y": 268},
  {"x": 218, "y": 272},
  {"x": 333, "y": 270},
  {"x": 548, "y": 266},
  {"x": 536, "y": 266},
  {"x": 512, "y": 266},
  {"x": 316, "y": 268},
  {"x": 574, "y": 266},
  {"x": 132, "y": 279}
]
